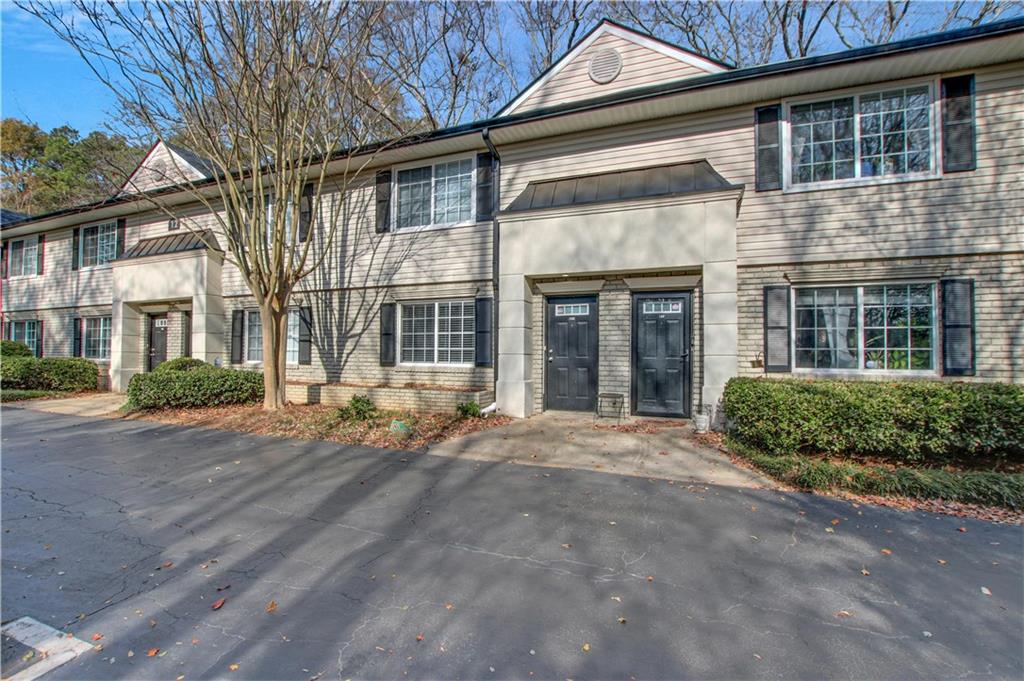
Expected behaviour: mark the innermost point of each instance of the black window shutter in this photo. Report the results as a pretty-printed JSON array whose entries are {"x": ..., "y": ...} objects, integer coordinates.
[
  {"x": 958, "y": 327},
  {"x": 305, "y": 212},
  {"x": 7, "y": 331},
  {"x": 237, "y": 328},
  {"x": 768, "y": 157},
  {"x": 121, "y": 233},
  {"x": 39, "y": 338},
  {"x": 383, "y": 201},
  {"x": 76, "y": 235},
  {"x": 40, "y": 250},
  {"x": 305, "y": 335},
  {"x": 387, "y": 335},
  {"x": 958, "y": 135},
  {"x": 484, "y": 331},
  {"x": 76, "y": 337},
  {"x": 3, "y": 260},
  {"x": 776, "y": 330},
  {"x": 484, "y": 186}
]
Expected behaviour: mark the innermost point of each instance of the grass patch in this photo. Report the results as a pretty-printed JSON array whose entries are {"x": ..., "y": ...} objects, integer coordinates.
[
  {"x": 15, "y": 395},
  {"x": 987, "y": 488}
]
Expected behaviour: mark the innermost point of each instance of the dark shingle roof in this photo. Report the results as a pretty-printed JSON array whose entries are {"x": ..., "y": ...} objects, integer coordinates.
[
  {"x": 9, "y": 216},
  {"x": 171, "y": 243},
  {"x": 203, "y": 165},
  {"x": 621, "y": 185}
]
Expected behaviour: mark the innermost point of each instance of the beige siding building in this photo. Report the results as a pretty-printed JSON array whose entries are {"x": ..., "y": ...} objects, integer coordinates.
[{"x": 635, "y": 228}]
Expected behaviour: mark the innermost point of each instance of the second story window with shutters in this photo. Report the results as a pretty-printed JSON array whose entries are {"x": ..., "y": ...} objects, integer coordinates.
[
  {"x": 24, "y": 257},
  {"x": 98, "y": 244},
  {"x": 437, "y": 194},
  {"x": 863, "y": 137}
]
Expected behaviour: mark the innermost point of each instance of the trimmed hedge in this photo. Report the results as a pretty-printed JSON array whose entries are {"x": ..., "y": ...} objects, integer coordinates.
[
  {"x": 67, "y": 374},
  {"x": 180, "y": 364},
  {"x": 970, "y": 487},
  {"x": 202, "y": 387},
  {"x": 912, "y": 421},
  {"x": 9, "y": 348}
]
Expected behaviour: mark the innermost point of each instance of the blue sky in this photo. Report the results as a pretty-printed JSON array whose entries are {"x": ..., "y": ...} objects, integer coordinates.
[{"x": 43, "y": 80}]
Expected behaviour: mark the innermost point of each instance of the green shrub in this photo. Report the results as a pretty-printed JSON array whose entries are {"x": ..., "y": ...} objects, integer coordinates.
[
  {"x": 359, "y": 408},
  {"x": 912, "y": 421},
  {"x": 468, "y": 410},
  {"x": 180, "y": 364},
  {"x": 9, "y": 348},
  {"x": 970, "y": 487},
  {"x": 68, "y": 374},
  {"x": 201, "y": 387}
]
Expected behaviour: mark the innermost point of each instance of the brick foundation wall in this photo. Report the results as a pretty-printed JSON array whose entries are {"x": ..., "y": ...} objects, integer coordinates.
[
  {"x": 999, "y": 311},
  {"x": 387, "y": 397}
]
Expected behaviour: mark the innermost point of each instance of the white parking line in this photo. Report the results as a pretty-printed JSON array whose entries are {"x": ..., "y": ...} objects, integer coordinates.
[{"x": 55, "y": 648}]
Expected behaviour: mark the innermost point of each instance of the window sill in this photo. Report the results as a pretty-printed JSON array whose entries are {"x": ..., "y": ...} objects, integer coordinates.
[
  {"x": 859, "y": 182},
  {"x": 432, "y": 228},
  {"x": 104, "y": 266},
  {"x": 433, "y": 365},
  {"x": 867, "y": 373},
  {"x": 22, "y": 276}
]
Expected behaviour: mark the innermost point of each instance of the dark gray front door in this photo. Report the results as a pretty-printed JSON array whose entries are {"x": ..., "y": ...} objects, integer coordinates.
[
  {"x": 157, "y": 339},
  {"x": 571, "y": 353},
  {"x": 661, "y": 354}
]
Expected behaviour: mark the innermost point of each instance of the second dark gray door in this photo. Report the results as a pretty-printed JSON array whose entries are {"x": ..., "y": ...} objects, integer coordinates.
[
  {"x": 157, "y": 340},
  {"x": 571, "y": 353},
  {"x": 661, "y": 354}
]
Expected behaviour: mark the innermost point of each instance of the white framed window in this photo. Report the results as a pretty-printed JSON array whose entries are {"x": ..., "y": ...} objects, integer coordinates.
[
  {"x": 861, "y": 137},
  {"x": 866, "y": 328},
  {"x": 441, "y": 193},
  {"x": 438, "y": 332},
  {"x": 292, "y": 346},
  {"x": 24, "y": 332},
  {"x": 662, "y": 306},
  {"x": 98, "y": 244},
  {"x": 572, "y": 310},
  {"x": 23, "y": 259},
  {"x": 254, "y": 337},
  {"x": 96, "y": 339}
]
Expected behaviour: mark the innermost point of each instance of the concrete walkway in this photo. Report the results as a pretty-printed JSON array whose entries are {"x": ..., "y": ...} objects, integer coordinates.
[
  {"x": 642, "y": 448},
  {"x": 96, "y": 404}
]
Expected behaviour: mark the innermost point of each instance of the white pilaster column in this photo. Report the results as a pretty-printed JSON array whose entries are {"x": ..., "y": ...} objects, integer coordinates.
[
  {"x": 720, "y": 313},
  {"x": 515, "y": 346},
  {"x": 125, "y": 345},
  {"x": 208, "y": 328}
]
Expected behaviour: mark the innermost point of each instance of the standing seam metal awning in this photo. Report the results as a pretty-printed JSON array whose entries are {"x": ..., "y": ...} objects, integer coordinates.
[
  {"x": 621, "y": 185},
  {"x": 171, "y": 243}
]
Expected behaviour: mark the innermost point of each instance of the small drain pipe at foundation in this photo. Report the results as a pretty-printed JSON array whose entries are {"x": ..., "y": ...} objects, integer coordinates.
[{"x": 489, "y": 409}]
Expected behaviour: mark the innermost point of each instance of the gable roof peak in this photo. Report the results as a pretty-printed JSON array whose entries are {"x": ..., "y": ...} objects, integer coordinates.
[{"x": 609, "y": 27}]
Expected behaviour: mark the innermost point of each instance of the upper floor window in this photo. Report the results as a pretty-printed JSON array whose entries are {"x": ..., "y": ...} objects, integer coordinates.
[
  {"x": 24, "y": 257},
  {"x": 880, "y": 134},
  {"x": 98, "y": 244},
  {"x": 438, "y": 194}
]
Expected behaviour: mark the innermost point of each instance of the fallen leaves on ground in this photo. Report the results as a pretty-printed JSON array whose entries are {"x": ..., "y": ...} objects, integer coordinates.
[
  {"x": 887, "y": 552},
  {"x": 941, "y": 562},
  {"x": 419, "y": 637},
  {"x": 586, "y": 647},
  {"x": 647, "y": 426},
  {"x": 97, "y": 637},
  {"x": 233, "y": 667},
  {"x": 271, "y": 607},
  {"x": 865, "y": 572},
  {"x": 152, "y": 652},
  {"x": 218, "y": 604},
  {"x": 320, "y": 422},
  {"x": 449, "y": 606},
  {"x": 843, "y": 614},
  {"x": 985, "y": 590}
]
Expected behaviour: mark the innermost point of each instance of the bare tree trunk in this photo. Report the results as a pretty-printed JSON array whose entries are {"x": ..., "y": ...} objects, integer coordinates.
[{"x": 274, "y": 321}]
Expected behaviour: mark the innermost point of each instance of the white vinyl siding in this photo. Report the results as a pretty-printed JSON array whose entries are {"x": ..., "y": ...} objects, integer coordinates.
[
  {"x": 441, "y": 332},
  {"x": 96, "y": 338},
  {"x": 438, "y": 194}
]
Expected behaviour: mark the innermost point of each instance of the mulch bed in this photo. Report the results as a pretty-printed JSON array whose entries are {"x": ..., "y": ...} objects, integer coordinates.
[
  {"x": 995, "y": 514},
  {"x": 320, "y": 422}
]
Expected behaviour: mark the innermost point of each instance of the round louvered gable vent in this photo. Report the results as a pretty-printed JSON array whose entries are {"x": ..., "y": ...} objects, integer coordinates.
[{"x": 605, "y": 66}]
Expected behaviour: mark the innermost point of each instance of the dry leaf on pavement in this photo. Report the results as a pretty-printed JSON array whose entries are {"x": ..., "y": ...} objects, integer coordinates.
[{"x": 218, "y": 604}]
